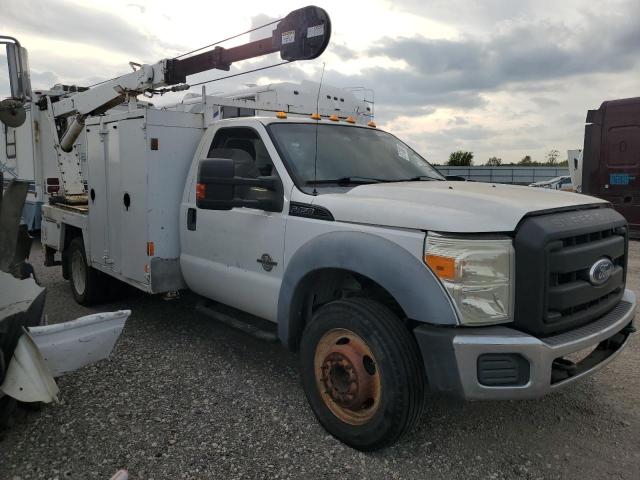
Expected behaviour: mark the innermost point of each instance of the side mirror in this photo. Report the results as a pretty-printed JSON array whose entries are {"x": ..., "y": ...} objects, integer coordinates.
[
  {"x": 218, "y": 188},
  {"x": 18, "y": 63}
]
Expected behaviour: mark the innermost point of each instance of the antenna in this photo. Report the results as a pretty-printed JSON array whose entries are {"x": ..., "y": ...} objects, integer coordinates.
[{"x": 315, "y": 157}]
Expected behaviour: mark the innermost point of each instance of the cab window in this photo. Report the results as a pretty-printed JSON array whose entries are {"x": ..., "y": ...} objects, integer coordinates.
[{"x": 245, "y": 146}]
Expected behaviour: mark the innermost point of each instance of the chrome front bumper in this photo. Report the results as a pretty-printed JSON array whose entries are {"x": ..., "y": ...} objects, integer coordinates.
[{"x": 451, "y": 355}]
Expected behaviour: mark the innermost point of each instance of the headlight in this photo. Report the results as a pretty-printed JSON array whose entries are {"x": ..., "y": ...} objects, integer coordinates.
[{"x": 477, "y": 272}]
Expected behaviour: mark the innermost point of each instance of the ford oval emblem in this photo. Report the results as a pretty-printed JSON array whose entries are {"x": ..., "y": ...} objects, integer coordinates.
[{"x": 600, "y": 271}]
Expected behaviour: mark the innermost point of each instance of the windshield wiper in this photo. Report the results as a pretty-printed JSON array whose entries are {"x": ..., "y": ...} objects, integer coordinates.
[
  {"x": 346, "y": 181},
  {"x": 357, "y": 180},
  {"x": 416, "y": 179}
]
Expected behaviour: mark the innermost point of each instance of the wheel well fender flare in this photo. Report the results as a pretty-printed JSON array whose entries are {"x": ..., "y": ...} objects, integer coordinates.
[{"x": 408, "y": 280}]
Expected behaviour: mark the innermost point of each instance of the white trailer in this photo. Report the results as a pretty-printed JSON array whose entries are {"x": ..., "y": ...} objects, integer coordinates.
[{"x": 574, "y": 160}]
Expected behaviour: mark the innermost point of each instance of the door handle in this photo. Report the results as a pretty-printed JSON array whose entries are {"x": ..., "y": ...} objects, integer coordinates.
[{"x": 191, "y": 218}]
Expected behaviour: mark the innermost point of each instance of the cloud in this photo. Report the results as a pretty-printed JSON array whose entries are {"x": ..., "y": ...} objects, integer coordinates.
[
  {"x": 544, "y": 102},
  {"x": 342, "y": 51},
  {"x": 71, "y": 22},
  {"x": 523, "y": 53},
  {"x": 466, "y": 12},
  {"x": 141, "y": 8},
  {"x": 43, "y": 80},
  {"x": 457, "y": 120},
  {"x": 258, "y": 21}
]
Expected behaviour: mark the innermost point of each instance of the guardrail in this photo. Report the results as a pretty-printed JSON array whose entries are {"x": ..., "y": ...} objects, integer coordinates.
[{"x": 515, "y": 175}]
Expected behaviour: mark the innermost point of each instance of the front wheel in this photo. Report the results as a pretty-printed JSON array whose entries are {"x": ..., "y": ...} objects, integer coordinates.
[{"x": 362, "y": 373}]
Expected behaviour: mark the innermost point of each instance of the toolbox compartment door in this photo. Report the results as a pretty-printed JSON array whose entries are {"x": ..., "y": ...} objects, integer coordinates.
[{"x": 97, "y": 190}]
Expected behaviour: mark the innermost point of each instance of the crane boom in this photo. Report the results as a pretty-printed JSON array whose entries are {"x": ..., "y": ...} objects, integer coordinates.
[{"x": 302, "y": 35}]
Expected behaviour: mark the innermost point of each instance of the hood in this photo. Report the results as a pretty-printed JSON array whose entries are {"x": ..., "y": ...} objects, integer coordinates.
[{"x": 463, "y": 207}]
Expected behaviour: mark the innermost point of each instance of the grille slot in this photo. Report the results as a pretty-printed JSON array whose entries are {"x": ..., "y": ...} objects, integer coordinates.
[{"x": 569, "y": 289}]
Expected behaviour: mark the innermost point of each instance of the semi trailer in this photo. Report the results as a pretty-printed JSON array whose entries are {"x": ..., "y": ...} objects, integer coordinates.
[
  {"x": 387, "y": 279},
  {"x": 610, "y": 163}
]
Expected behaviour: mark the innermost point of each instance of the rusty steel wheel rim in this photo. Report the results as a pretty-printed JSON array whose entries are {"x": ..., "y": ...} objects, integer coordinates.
[{"x": 347, "y": 376}]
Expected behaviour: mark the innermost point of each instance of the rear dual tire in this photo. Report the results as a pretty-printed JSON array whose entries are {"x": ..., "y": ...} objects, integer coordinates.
[
  {"x": 87, "y": 283},
  {"x": 362, "y": 373}
]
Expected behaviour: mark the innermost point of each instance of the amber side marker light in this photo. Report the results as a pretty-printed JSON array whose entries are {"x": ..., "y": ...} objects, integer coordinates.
[
  {"x": 315, "y": 116},
  {"x": 200, "y": 191},
  {"x": 151, "y": 249},
  {"x": 443, "y": 267}
]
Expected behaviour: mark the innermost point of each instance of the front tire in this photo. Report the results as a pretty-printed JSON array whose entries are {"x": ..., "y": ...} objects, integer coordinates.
[
  {"x": 362, "y": 373},
  {"x": 87, "y": 284}
]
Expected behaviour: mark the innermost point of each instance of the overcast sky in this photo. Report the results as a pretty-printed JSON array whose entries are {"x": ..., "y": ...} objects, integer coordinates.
[{"x": 501, "y": 78}]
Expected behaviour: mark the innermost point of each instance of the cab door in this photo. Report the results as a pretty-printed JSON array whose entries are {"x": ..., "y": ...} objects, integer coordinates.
[{"x": 236, "y": 256}]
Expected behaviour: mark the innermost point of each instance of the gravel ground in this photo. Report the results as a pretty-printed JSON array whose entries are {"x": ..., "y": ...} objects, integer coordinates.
[{"x": 185, "y": 397}]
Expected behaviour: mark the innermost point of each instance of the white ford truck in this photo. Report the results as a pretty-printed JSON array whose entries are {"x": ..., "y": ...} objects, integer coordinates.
[{"x": 387, "y": 278}]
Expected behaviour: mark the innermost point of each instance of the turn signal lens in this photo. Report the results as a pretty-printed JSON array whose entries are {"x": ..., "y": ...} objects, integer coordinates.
[
  {"x": 200, "y": 191},
  {"x": 478, "y": 273},
  {"x": 443, "y": 267}
]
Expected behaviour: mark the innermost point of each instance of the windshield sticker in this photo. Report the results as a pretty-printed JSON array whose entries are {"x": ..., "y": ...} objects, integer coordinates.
[
  {"x": 402, "y": 151},
  {"x": 288, "y": 37},
  {"x": 315, "y": 31}
]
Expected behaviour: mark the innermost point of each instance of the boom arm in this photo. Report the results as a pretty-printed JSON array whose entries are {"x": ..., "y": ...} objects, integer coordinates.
[{"x": 302, "y": 35}]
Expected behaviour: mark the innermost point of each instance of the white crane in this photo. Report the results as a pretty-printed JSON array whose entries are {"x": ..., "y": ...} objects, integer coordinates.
[{"x": 301, "y": 35}]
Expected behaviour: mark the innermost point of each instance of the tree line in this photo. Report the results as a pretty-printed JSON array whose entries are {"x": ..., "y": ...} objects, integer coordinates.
[{"x": 461, "y": 158}]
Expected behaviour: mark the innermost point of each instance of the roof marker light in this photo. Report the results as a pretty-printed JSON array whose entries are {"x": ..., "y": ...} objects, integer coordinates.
[
  {"x": 334, "y": 118},
  {"x": 281, "y": 115},
  {"x": 350, "y": 119},
  {"x": 371, "y": 124},
  {"x": 315, "y": 116}
]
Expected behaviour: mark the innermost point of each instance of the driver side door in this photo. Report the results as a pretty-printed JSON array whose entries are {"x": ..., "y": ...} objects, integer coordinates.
[{"x": 235, "y": 256}]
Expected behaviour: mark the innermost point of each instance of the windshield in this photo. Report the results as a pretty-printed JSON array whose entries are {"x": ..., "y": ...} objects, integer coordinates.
[{"x": 347, "y": 155}]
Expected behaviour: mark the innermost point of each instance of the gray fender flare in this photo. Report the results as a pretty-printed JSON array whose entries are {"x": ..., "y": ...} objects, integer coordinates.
[{"x": 405, "y": 277}]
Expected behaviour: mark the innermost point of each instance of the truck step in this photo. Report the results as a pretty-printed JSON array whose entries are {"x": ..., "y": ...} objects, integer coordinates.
[{"x": 245, "y": 322}]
